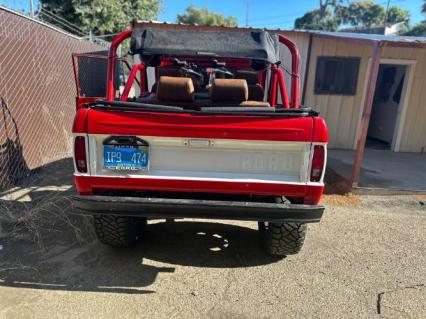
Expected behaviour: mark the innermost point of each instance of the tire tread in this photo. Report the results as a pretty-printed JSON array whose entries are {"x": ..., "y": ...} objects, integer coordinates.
[
  {"x": 118, "y": 231},
  {"x": 282, "y": 239}
]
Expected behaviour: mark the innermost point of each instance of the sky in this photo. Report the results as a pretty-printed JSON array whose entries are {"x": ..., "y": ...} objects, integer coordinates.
[
  {"x": 262, "y": 13},
  {"x": 269, "y": 13}
]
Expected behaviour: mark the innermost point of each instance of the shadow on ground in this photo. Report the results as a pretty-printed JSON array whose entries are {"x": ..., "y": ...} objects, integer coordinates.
[{"x": 45, "y": 246}]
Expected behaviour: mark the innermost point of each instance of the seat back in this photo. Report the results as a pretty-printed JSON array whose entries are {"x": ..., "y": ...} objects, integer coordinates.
[
  {"x": 229, "y": 90},
  {"x": 256, "y": 91},
  {"x": 252, "y": 77},
  {"x": 175, "y": 89}
]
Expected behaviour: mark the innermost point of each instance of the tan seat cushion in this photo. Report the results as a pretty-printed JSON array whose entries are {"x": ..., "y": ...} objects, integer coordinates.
[
  {"x": 229, "y": 90},
  {"x": 175, "y": 89},
  {"x": 254, "y": 103}
]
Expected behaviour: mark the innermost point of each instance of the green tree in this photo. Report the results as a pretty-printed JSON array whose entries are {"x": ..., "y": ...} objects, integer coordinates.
[
  {"x": 364, "y": 14},
  {"x": 419, "y": 30},
  {"x": 397, "y": 14},
  {"x": 326, "y": 18},
  {"x": 333, "y": 13},
  {"x": 203, "y": 16},
  {"x": 325, "y": 6},
  {"x": 100, "y": 16},
  {"x": 315, "y": 20}
]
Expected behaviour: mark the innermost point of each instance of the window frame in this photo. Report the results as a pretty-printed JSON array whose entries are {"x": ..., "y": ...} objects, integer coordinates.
[{"x": 352, "y": 92}]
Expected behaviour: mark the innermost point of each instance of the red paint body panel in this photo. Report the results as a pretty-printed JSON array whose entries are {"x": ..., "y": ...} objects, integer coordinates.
[
  {"x": 80, "y": 121},
  {"x": 201, "y": 126},
  {"x": 313, "y": 194},
  {"x": 320, "y": 131},
  {"x": 87, "y": 184}
]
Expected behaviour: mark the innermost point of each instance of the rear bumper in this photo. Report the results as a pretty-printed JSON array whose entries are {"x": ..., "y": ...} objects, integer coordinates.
[
  {"x": 191, "y": 208},
  {"x": 87, "y": 185}
]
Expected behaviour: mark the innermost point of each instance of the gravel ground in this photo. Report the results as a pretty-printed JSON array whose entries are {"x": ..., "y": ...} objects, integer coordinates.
[{"x": 367, "y": 258}]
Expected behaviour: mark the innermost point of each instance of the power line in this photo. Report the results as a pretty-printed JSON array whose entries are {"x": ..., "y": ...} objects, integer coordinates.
[
  {"x": 54, "y": 21},
  {"x": 31, "y": 9},
  {"x": 64, "y": 21},
  {"x": 247, "y": 11},
  {"x": 103, "y": 36},
  {"x": 60, "y": 18},
  {"x": 63, "y": 24}
]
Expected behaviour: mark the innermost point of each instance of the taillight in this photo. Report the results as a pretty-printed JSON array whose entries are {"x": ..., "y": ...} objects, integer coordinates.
[
  {"x": 80, "y": 154},
  {"x": 317, "y": 166}
]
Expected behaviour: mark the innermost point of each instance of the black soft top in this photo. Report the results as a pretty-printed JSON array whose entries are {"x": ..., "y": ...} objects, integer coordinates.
[{"x": 250, "y": 45}]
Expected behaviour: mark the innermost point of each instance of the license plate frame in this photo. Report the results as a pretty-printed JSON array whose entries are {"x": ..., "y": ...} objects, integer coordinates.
[{"x": 126, "y": 157}]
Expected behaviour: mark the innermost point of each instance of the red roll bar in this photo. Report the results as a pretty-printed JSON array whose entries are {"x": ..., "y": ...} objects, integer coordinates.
[
  {"x": 277, "y": 75},
  {"x": 112, "y": 56},
  {"x": 131, "y": 79},
  {"x": 295, "y": 61}
]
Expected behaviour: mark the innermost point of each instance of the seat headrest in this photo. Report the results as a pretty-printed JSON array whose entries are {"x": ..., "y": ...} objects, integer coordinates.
[
  {"x": 175, "y": 89},
  {"x": 229, "y": 90},
  {"x": 252, "y": 77}
]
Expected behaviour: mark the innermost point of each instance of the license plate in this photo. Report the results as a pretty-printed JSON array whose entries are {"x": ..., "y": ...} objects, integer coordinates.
[{"x": 127, "y": 158}]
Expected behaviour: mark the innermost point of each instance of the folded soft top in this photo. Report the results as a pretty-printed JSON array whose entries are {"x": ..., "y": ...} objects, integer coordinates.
[{"x": 251, "y": 45}]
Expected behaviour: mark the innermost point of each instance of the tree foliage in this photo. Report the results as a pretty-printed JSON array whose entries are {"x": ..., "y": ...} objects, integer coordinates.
[
  {"x": 419, "y": 30},
  {"x": 203, "y": 16},
  {"x": 333, "y": 13},
  {"x": 102, "y": 16},
  {"x": 317, "y": 20},
  {"x": 364, "y": 14},
  {"x": 397, "y": 14}
]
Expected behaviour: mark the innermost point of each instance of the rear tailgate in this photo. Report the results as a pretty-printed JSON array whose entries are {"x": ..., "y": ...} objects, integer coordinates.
[{"x": 220, "y": 153}]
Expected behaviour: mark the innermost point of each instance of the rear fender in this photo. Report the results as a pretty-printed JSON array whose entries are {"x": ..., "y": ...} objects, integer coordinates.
[{"x": 80, "y": 121}]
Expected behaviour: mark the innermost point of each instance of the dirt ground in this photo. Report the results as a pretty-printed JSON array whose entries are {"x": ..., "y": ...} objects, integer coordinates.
[{"x": 367, "y": 258}]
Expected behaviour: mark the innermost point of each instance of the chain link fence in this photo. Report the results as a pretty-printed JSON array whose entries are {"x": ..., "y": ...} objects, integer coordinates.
[{"x": 37, "y": 94}]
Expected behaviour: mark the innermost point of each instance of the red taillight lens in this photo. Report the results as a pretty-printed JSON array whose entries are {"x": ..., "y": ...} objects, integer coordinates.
[
  {"x": 317, "y": 163},
  {"x": 80, "y": 154}
]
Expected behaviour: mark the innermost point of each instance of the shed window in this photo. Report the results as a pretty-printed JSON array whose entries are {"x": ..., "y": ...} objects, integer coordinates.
[{"x": 336, "y": 75}]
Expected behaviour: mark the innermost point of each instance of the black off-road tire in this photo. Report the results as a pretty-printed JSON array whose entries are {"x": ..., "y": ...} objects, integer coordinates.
[
  {"x": 118, "y": 231},
  {"x": 282, "y": 239}
]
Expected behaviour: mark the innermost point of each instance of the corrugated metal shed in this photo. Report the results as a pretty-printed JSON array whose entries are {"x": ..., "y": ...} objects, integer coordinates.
[{"x": 372, "y": 38}]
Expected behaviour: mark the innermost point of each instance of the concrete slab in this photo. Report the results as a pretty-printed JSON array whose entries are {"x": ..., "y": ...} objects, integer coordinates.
[{"x": 383, "y": 169}]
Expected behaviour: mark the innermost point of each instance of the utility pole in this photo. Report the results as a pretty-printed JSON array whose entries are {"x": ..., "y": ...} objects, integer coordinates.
[
  {"x": 31, "y": 9},
  {"x": 247, "y": 12},
  {"x": 386, "y": 14}
]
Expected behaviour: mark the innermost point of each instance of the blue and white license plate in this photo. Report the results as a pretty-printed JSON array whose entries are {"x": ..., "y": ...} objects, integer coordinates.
[{"x": 127, "y": 158}]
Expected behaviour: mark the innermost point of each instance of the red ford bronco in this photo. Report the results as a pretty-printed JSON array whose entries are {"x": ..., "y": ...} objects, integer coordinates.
[{"x": 202, "y": 127}]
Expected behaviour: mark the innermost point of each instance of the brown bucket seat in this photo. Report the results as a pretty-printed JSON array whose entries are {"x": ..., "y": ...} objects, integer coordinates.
[
  {"x": 232, "y": 92},
  {"x": 175, "y": 89},
  {"x": 255, "y": 90}
]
